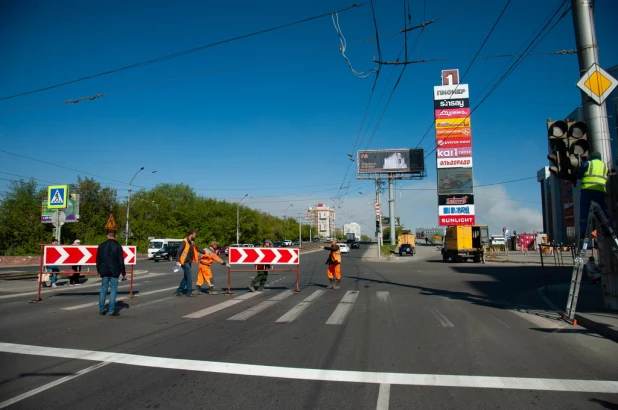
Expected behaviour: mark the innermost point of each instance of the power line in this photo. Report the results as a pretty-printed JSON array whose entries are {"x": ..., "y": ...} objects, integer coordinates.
[
  {"x": 475, "y": 186},
  {"x": 181, "y": 53},
  {"x": 23, "y": 176}
]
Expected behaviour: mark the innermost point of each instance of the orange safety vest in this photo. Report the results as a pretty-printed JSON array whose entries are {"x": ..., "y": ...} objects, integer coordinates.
[
  {"x": 336, "y": 255},
  {"x": 208, "y": 257},
  {"x": 185, "y": 252}
]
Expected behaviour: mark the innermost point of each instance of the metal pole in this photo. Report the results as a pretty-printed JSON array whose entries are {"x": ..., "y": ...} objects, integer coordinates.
[
  {"x": 238, "y": 219},
  {"x": 300, "y": 235},
  {"x": 391, "y": 207},
  {"x": 587, "y": 54},
  {"x": 126, "y": 231},
  {"x": 378, "y": 216}
]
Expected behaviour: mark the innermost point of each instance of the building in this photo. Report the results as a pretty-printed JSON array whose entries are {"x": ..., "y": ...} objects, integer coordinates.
[
  {"x": 560, "y": 199},
  {"x": 322, "y": 218},
  {"x": 422, "y": 233}
]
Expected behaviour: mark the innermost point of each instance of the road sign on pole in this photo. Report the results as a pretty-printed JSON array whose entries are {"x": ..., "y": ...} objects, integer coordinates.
[
  {"x": 264, "y": 256},
  {"x": 57, "y": 196}
]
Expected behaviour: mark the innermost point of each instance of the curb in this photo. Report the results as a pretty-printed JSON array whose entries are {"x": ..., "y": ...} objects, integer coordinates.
[{"x": 582, "y": 321}]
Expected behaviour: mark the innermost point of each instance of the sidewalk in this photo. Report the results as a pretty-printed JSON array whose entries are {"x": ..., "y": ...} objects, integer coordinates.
[
  {"x": 589, "y": 311},
  {"x": 531, "y": 257}
]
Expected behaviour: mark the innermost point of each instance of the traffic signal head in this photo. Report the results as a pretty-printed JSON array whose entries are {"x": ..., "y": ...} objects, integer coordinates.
[
  {"x": 577, "y": 144},
  {"x": 557, "y": 134}
]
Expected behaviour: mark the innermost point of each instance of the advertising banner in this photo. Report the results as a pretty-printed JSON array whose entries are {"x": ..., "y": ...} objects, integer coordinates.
[
  {"x": 457, "y": 220},
  {"x": 404, "y": 161},
  {"x": 453, "y": 132},
  {"x": 456, "y": 210},
  {"x": 453, "y": 103},
  {"x": 453, "y": 123},
  {"x": 454, "y": 152},
  {"x": 465, "y": 162},
  {"x": 455, "y": 200},
  {"x": 71, "y": 212},
  {"x": 447, "y": 92},
  {"x": 452, "y": 113},
  {"x": 454, "y": 142},
  {"x": 454, "y": 181}
]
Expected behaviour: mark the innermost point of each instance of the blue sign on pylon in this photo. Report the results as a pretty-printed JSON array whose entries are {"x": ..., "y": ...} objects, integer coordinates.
[{"x": 57, "y": 196}]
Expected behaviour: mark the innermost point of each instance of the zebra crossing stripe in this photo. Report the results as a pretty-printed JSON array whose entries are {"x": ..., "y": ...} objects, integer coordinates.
[
  {"x": 296, "y": 311},
  {"x": 262, "y": 306},
  {"x": 343, "y": 309},
  {"x": 220, "y": 306}
]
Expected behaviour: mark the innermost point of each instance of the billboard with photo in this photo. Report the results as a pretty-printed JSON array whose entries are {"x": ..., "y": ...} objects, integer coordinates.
[
  {"x": 71, "y": 211},
  {"x": 454, "y": 181},
  {"x": 401, "y": 161}
]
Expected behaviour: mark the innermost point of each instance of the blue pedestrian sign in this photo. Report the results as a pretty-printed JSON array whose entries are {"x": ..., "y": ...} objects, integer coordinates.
[{"x": 57, "y": 196}]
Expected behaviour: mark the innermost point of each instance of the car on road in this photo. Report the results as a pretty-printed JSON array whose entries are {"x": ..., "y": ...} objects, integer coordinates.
[
  {"x": 296, "y": 242},
  {"x": 406, "y": 249},
  {"x": 343, "y": 248},
  {"x": 355, "y": 245},
  {"x": 221, "y": 250},
  {"x": 287, "y": 242},
  {"x": 168, "y": 252},
  {"x": 278, "y": 245},
  {"x": 316, "y": 239}
]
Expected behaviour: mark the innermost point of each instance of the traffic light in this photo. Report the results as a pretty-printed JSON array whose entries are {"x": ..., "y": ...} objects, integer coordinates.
[
  {"x": 377, "y": 225},
  {"x": 557, "y": 134},
  {"x": 577, "y": 145}
]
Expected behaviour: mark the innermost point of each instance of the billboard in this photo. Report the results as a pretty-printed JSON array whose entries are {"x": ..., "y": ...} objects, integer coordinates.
[
  {"x": 402, "y": 161},
  {"x": 449, "y": 92},
  {"x": 454, "y": 152},
  {"x": 465, "y": 162},
  {"x": 455, "y": 200},
  {"x": 71, "y": 211},
  {"x": 448, "y": 142},
  {"x": 457, "y": 220},
  {"x": 454, "y": 181}
]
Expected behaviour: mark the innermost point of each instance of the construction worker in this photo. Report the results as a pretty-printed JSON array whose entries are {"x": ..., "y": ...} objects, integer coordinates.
[
  {"x": 334, "y": 265},
  {"x": 204, "y": 273},
  {"x": 262, "y": 275},
  {"x": 188, "y": 252},
  {"x": 593, "y": 174}
]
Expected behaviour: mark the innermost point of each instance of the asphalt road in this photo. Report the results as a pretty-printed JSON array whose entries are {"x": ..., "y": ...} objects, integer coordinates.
[{"x": 407, "y": 334}]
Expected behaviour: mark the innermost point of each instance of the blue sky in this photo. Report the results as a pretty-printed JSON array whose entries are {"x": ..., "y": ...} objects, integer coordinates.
[{"x": 274, "y": 115}]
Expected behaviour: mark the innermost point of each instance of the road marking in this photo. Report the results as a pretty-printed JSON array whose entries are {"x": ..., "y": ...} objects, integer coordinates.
[
  {"x": 85, "y": 305},
  {"x": 383, "y": 295},
  {"x": 441, "y": 318},
  {"x": 50, "y": 385},
  {"x": 499, "y": 320},
  {"x": 153, "y": 301},
  {"x": 343, "y": 309},
  {"x": 384, "y": 397},
  {"x": 262, "y": 306},
  {"x": 220, "y": 306},
  {"x": 296, "y": 311},
  {"x": 348, "y": 376}
]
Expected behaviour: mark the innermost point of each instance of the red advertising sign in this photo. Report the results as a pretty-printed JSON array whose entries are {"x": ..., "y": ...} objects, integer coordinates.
[
  {"x": 288, "y": 256},
  {"x": 452, "y": 113},
  {"x": 81, "y": 255},
  {"x": 453, "y": 132},
  {"x": 453, "y": 142},
  {"x": 457, "y": 220}
]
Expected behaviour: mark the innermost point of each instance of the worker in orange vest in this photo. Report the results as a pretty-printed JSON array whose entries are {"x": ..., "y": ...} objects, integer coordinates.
[
  {"x": 334, "y": 265},
  {"x": 204, "y": 273},
  {"x": 188, "y": 252}
]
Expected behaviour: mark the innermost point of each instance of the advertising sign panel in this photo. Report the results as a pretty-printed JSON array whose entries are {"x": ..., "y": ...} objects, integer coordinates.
[
  {"x": 406, "y": 161},
  {"x": 465, "y": 162},
  {"x": 447, "y": 92},
  {"x": 456, "y": 210},
  {"x": 455, "y": 200},
  {"x": 71, "y": 211},
  {"x": 454, "y": 181},
  {"x": 453, "y": 103},
  {"x": 453, "y": 132},
  {"x": 452, "y": 113},
  {"x": 454, "y": 152},
  {"x": 456, "y": 220},
  {"x": 454, "y": 142},
  {"x": 453, "y": 123}
]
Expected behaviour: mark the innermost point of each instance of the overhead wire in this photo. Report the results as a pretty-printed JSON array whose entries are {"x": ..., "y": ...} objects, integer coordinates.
[{"x": 181, "y": 53}]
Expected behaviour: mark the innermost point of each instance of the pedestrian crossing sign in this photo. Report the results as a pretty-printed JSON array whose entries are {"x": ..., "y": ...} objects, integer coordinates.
[{"x": 57, "y": 196}]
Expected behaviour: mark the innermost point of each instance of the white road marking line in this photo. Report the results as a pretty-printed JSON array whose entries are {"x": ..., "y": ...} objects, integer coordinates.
[
  {"x": 262, "y": 306},
  {"x": 403, "y": 379},
  {"x": 153, "y": 301},
  {"x": 499, "y": 320},
  {"x": 383, "y": 296},
  {"x": 441, "y": 318},
  {"x": 50, "y": 385},
  {"x": 384, "y": 397},
  {"x": 343, "y": 309},
  {"x": 296, "y": 311},
  {"x": 85, "y": 305},
  {"x": 220, "y": 306}
]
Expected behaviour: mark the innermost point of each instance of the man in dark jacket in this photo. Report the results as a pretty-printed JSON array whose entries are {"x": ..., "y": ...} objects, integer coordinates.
[{"x": 110, "y": 264}]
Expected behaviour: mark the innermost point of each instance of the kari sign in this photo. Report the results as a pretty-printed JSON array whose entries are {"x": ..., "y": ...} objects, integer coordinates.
[
  {"x": 453, "y": 152},
  {"x": 465, "y": 162},
  {"x": 457, "y": 220}
]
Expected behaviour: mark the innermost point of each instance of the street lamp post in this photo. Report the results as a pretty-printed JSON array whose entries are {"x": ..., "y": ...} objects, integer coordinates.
[
  {"x": 285, "y": 217},
  {"x": 238, "y": 219},
  {"x": 126, "y": 239}
]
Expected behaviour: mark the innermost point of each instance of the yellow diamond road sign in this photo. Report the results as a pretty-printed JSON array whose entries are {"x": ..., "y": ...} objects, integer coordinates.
[{"x": 597, "y": 84}]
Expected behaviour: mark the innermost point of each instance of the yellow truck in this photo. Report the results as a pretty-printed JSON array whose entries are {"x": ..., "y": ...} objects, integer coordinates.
[
  {"x": 406, "y": 243},
  {"x": 465, "y": 242}
]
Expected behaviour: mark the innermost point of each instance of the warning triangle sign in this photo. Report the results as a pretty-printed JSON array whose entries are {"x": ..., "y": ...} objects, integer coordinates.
[
  {"x": 111, "y": 224},
  {"x": 57, "y": 199}
]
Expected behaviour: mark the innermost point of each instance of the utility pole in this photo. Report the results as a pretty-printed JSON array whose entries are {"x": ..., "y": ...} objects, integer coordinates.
[
  {"x": 595, "y": 116},
  {"x": 379, "y": 218},
  {"x": 391, "y": 207}
]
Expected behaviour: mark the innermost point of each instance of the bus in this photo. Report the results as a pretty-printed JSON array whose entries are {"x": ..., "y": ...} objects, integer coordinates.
[{"x": 156, "y": 245}]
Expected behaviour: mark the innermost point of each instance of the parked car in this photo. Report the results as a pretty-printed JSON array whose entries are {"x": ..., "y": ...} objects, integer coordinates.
[
  {"x": 278, "y": 245},
  {"x": 406, "y": 249},
  {"x": 343, "y": 248},
  {"x": 287, "y": 242},
  {"x": 296, "y": 242},
  {"x": 221, "y": 250},
  {"x": 167, "y": 252},
  {"x": 316, "y": 239},
  {"x": 355, "y": 245}
]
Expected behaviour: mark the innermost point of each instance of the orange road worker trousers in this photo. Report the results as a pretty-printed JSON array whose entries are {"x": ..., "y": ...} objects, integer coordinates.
[
  {"x": 334, "y": 270},
  {"x": 204, "y": 274}
]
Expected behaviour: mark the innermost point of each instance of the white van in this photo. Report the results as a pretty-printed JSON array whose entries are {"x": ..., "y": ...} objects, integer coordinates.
[{"x": 156, "y": 245}]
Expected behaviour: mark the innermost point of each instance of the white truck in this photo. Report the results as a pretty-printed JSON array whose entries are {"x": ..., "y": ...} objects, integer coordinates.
[{"x": 352, "y": 232}]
